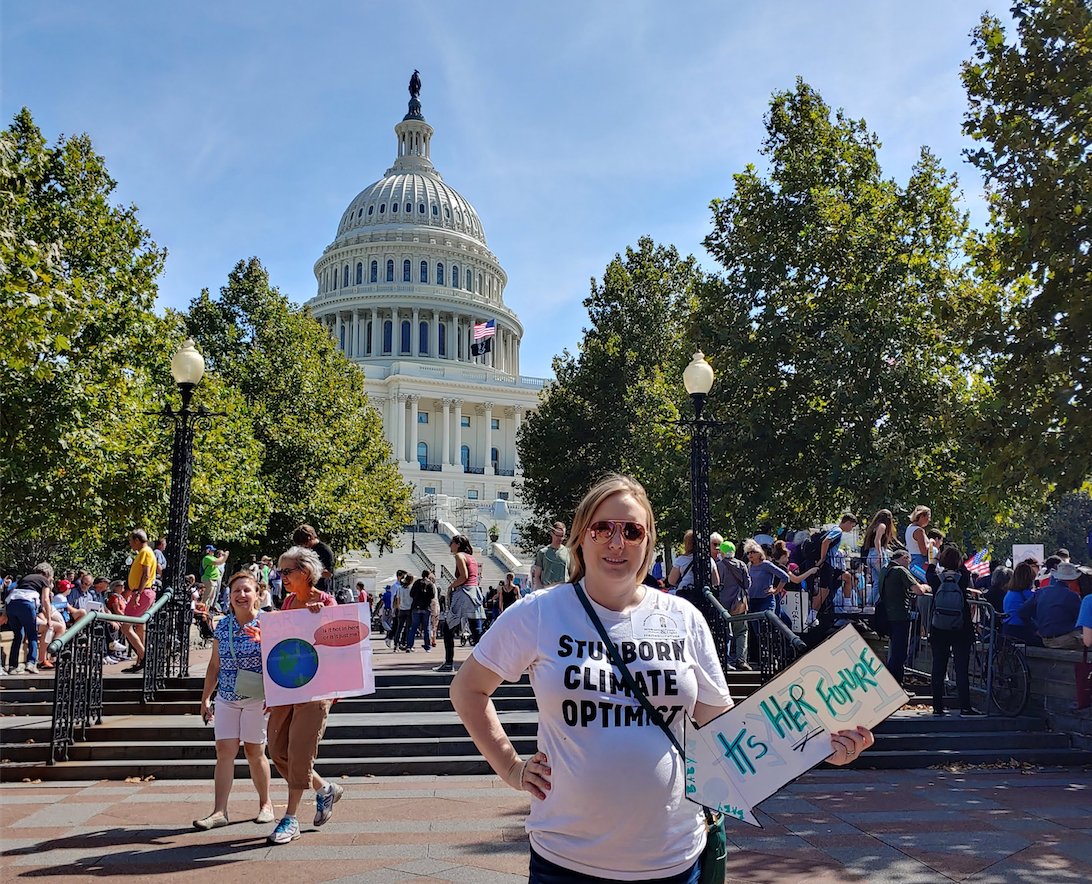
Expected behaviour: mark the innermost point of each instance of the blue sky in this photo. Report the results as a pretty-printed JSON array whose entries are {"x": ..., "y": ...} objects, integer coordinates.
[{"x": 245, "y": 128}]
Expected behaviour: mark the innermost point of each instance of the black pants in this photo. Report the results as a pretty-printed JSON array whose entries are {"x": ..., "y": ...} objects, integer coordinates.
[
  {"x": 945, "y": 644},
  {"x": 897, "y": 649},
  {"x": 448, "y": 635},
  {"x": 401, "y": 627}
]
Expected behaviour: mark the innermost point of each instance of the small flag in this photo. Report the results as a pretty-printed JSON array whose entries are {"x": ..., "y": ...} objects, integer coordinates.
[
  {"x": 978, "y": 564},
  {"x": 480, "y": 348},
  {"x": 485, "y": 329}
]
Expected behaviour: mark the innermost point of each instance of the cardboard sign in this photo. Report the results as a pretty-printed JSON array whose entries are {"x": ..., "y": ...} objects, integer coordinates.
[
  {"x": 308, "y": 656},
  {"x": 781, "y": 731},
  {"x": 1023, "y": 551}
]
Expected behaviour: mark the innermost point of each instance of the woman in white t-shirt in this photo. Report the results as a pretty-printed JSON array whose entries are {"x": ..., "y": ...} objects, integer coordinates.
[
  {"x": 682, "y": 568},
  {"x": 607, "y": 786}
]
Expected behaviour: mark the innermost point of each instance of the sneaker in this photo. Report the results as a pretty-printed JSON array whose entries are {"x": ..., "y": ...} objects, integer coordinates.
[
  {"x": 18, "y": 669},
  {"x": 390, "y": 642},
  {"x": 969, "y": 713},
  {"x": 32, "y": 669},
  {"x": 212, "y": 821},
  {"x": 325, "y": 799},
  {"x": 444, "y": 667},
  {"x": 939, "y": 713},
  {"x": 110, "y": 660},
  {"x": 119, "y": 647},
  {"x": 744, "y": 666},
  {"x": 288, "y": 829},
  {"x": 46, "y": 665}
]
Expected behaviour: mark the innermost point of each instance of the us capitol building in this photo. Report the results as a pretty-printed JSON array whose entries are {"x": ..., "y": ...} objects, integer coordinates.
[{"x": 401, "y": 287}]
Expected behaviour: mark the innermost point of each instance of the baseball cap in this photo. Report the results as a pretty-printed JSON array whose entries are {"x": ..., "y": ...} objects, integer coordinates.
[
  {"x": 210, "y": 548},
  {"x": 728, "y": 548}
]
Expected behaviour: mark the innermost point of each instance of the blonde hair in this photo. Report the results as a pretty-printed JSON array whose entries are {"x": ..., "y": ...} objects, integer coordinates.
[
  {"x": 919, "y": 511},
  {"x": 607, "y": 487},
  {"x": 688, "y": 542},
  {"x": 246, "y": 575}
]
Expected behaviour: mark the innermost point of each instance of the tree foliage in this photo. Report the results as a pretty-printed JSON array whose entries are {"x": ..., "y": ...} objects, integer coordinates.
[
  {"x": 1030, "y": 107},
  {"x": 324, "y": 458},
  {"x": 610, "y": 407}
]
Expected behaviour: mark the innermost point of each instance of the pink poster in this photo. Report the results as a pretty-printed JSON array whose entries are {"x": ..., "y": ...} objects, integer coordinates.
[{"x": 317, "y": 656}]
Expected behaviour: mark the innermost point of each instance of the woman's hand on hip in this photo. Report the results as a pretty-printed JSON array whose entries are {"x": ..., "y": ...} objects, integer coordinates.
[
  {"x": 848, "y": 745},
  {"x": 532, "y": 775}
]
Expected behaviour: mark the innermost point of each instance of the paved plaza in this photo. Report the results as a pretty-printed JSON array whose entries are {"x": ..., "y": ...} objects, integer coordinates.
[{"x": 884, "y": 826}]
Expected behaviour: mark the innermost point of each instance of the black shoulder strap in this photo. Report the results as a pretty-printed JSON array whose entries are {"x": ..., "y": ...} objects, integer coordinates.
[{"x": 627, "y": 678}]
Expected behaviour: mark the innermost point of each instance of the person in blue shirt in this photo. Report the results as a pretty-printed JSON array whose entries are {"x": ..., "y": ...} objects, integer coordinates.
[
  {"x": 1018, "y": 593},
  {"x": 1084, "y": 620},
  {"x": 1054, "y": 610}
]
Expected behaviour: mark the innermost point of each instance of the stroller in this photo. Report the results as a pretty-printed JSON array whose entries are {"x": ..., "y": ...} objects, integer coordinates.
[{"x": 204, "y": 625}]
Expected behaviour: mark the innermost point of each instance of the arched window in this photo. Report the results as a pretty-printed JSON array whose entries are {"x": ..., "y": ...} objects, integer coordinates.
[
  {"x": 422, "y": 339},
  {"x": 359, "y": 272},
  {"x": 443, "y": 340},
  {"x": 435, "y": 210},
  {"x": 345, "y": 276},
  {"x": 424, "y": 271},
  {"x": 374, "y": 274},
  {"x": 333, "y": 275},
  {"x": 390, "y": 270},
  {"x": 394, "y": 207},
  {"x": 371, "y": 210},
  {"x": 440, "y": 273},
  {"x": 494, "y": 458},
  {"x": 382, "y": 208},
  {"x": 469, "y": 280},
  {"x": 409, "y": 207},
  {"x": 422, "y": 454},
  {"x": 404, "y": 347},
  {"x": 447, "y": 212},
  {"x": 387, "y": 332},
  {"x": 464, "y": 457},
  {"x": 406, "y": 271},
  {"x": 344, "y": 328},
  {"x": 368, "y": 340},
  {"x": 454, "y": 276},
  {"x": 421, "y": 209}
]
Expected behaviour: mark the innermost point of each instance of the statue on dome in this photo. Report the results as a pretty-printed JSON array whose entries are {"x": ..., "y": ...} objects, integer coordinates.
[{"x": 415, "y": 85}]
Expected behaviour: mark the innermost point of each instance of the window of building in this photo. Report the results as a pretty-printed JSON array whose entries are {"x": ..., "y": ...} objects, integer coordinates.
[
  {"x": 464, "y": 456},
  {"x": 371, "y": 209},
  {"x": 465, "y": 421},
  {"x": 345, "y": 276},
  {"x": 430, "y": 489},
  {"x": 394, "y": 207},
  {"x": 390, "y": 271},
  {"x": 388, "y": 331},
  {"x": 359, "y": 272},
  {"x": 409, "y": 207},
  {"x": 422, "y": 453},
  {"x": 374, "y": 274},
  {"x": 454, "y": 276},
  {"x": 440, "y": 274},
  {"x": 422, "y": 339},
  {"x": 334, "y": 277},
  {"x": 407, "y": 271},
  {"x": 424, "y": 271},
  {"x": 443, "y": 340},
  {"x": 343, "y": 330},
  {"x": 471, "y": 494},
  {"x": 382, "y": 208},
  {"x": 470, "y": 281},
  {"x": 435, "y": 210},
  {"x": 502, "y": 495},
  {"x": 368, "y": 339},
  {"x": 421, "y": 209},
  {"x": 447, "y": 212},
  {"x": 494, "y": 457},
  {"x": 494, "y": 423},
  {"x": 405, "y": 342},
  {"x": 422, "y": 417}
]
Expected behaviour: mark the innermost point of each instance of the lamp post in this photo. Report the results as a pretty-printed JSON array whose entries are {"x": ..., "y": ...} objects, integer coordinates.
[{"x": 698, "y": 380}]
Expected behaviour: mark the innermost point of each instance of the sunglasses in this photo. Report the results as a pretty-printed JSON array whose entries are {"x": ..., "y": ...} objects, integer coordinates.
[
  {"x": 286, "y": 571},
  {"x": 603, "y": 532}
]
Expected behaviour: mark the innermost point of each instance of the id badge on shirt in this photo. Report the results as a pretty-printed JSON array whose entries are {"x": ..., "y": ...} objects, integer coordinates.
[{"x": 655, "y": 624}]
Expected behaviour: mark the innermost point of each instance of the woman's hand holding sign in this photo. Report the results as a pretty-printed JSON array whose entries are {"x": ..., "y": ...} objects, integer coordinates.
[{"x": 848, "y": 745}]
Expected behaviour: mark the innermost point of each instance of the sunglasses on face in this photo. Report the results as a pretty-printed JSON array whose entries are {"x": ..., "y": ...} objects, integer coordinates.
[
  {"x": 603, "y": 532},
  {"x": 286, "y": 571}
]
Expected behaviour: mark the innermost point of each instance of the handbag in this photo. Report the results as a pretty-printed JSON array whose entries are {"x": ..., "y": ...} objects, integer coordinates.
[
  {"x": 1083, "y": 673},
  {"x": 249, "y": 685},
  {"x": 714, "y": 858}
]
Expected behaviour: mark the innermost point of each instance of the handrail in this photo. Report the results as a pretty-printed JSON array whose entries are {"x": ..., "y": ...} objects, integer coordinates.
[
  {"x": 416, "y": 550},
  {"x": 791, "y": 637},
  {"x": 83, "y": 623}
]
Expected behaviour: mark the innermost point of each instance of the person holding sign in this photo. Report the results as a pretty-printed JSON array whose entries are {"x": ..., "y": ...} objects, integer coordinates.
[
  {"x": 235, "y": 675},
  {"x": 607, "y": 784}
]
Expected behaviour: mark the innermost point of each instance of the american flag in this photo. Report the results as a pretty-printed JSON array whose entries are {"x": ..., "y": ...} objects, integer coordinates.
[
  {"x": 485, "y": 329},
  {"x": 978, "y": 564}
]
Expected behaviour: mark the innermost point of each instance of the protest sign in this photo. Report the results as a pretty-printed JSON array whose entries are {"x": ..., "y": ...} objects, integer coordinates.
[
  {"x": 1021, "y": 552},
  {"x": 317, "y": 656},
  {"x": 783, "y": 729}
]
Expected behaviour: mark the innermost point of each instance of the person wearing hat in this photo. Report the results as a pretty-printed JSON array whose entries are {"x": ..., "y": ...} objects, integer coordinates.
[
  {"x": 210, "y": 573},
  {"x": 735, "y": 586},
  {"x": 1054, "y": 609},
  {"x": 551, "y": 565}
]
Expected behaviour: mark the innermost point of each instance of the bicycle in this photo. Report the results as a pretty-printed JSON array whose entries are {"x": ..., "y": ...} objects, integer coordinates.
[{"x": 1008, "y": 680}]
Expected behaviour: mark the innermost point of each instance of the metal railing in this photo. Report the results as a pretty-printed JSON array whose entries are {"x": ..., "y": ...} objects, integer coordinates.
[
  {"x": 415, "y": 548},
  {"x": 777, "y": 647},
  {"x": 80, "y": 652}
]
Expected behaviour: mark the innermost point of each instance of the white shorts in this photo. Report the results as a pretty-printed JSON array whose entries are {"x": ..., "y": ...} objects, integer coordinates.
[{"x": 242, "y": 720}]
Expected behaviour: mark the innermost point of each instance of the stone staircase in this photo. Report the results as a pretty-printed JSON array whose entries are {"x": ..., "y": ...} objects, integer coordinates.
[{"x": 409, "y": 727}]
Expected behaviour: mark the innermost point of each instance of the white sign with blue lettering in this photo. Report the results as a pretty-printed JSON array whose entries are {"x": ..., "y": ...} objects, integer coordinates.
[{"x": 744, "y": 755}]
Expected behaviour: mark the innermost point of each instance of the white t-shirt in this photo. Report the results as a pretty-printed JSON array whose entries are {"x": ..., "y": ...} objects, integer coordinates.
[
  {"x": 616, "y": 809},
  {"x": 911, "y": 543}
]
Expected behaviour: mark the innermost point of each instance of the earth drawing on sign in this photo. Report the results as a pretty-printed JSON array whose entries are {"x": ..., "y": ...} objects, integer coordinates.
[{"x": 292, "y": 662}]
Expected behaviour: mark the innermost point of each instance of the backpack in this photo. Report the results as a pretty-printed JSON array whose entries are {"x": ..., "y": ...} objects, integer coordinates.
[
  {"x": 344, "y": 596},
  {"x": 948, "y": 604},
  {"x": 806, "y": 554}
]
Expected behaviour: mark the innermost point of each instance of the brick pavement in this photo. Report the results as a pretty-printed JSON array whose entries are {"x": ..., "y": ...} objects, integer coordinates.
[{"x": 986, "y": 827}]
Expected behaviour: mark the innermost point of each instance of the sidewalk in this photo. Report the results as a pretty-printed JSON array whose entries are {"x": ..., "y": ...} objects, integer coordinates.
[{"x": 910, "y": 827}]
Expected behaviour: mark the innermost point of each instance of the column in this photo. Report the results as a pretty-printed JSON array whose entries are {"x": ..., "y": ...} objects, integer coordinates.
[
  {"x": 434, "y": 335},
  {"x": 457, "y": 448},
  {"x": 337, "y": 331},
  {"x": 400, "y": 427},
  {"x": 487, "y": 461},
  {"x": 518, "y": 416},
  {"x": 358, "y": 349},
  {"x": 445, "y": 452},
  {"x": 376, "y": 332},
  {"x": 415, "y": 339},
  {"x": 413, "y": 428}
]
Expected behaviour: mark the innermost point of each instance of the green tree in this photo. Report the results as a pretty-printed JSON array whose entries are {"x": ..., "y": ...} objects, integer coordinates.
[
  {"x": 1064, "y": 523},
  {"x": 1030, "y": 106},
  {"x": 840, "y": 329},
  {"x": 324, "y": 459},
  {"x": 610, "y": 406}
]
